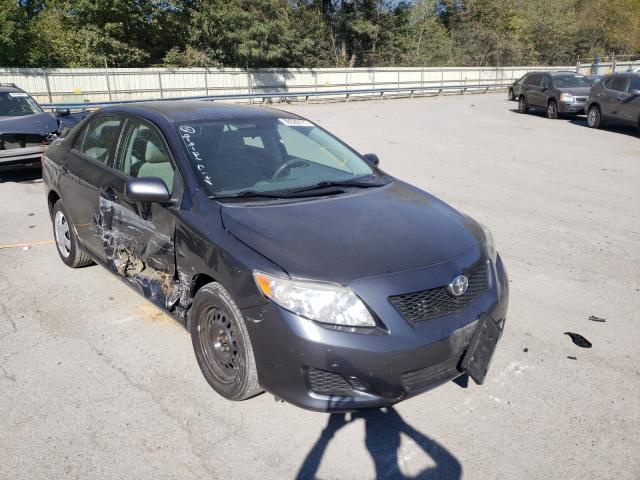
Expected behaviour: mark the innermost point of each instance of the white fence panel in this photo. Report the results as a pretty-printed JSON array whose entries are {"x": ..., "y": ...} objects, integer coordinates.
[{"x": 115, "y": 84}]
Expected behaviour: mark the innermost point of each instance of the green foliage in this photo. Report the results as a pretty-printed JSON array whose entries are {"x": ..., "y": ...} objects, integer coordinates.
[
  {"x": 12, "y": 21},
  {"x": 313, "y": 33}
]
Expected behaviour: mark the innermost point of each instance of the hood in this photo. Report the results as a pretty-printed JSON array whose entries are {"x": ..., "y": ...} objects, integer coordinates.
[
  {"x": 578, "y": 91},
  {"x": 37, "y": 123},
  {"x": 355, "y": 235}
]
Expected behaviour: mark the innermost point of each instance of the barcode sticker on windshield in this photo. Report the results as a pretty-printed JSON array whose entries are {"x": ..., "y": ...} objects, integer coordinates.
[
  {"x": 295, "y": 122},
  {"x": 18, "y": 94}
]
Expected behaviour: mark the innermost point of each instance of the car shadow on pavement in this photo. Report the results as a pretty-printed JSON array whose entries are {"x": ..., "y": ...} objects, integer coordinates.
[
  {"x": 622, "y": 129},
  {"x": 383, "y": 428},
  {"x": 25, "y": 175}
]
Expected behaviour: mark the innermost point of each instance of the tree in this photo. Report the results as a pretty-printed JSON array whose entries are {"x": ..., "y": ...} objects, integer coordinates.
[{"x": 12, "y": 39}]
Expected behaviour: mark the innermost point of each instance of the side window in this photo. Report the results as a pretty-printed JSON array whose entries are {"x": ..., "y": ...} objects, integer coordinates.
[
  {"x": 545, "y": 82},
  {"x": 618, "y": 83},
  {"x": 99, "y": 137},
  {"x": 533, "y": 79},
  {"x": 634, "y": 84},
  {"x": 77, "y": 143},
  {"x": 143, "y": 154}
]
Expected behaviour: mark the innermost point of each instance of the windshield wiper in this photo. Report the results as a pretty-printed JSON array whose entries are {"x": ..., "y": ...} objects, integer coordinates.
[
  {"x": 337, "y": 183},
  {"x": 326, "y": 187},
  {"x": 248, "y": 193}
]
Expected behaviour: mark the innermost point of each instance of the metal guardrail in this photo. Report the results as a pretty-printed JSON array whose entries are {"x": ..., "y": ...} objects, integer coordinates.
[{"x": 284, "y": 94}]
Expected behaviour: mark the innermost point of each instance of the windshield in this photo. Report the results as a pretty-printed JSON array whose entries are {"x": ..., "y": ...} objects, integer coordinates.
[
  {"x": 266, "y": 155},
  {"x": 570, "y": 81},
  {"x": 17, "y": 104}
]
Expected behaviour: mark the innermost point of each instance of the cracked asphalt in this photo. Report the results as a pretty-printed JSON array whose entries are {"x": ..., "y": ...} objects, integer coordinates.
[{"x": 96, "y": 383}]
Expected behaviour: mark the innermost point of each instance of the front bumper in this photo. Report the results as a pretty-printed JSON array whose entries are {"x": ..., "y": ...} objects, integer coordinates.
[
  {"x": 571, "y": 107},
  {"x": 21, "y": 157},
  {"x": 325, "y": 369}
]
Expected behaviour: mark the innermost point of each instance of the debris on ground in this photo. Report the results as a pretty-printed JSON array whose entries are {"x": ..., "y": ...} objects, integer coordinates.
[
  {"x": 593, "y": 318},
  {"x": 579, "y": 340},
  {"x": 26, "y": 247},
  {"x": 525, "y": 349},
  {"x": 571, "y": 358}
]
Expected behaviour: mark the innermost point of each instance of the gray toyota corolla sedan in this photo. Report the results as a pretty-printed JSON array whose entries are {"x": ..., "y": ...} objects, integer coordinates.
[{"x": 297, "y": 265}]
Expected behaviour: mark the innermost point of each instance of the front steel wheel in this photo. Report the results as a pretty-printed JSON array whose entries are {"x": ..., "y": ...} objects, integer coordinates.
[
  {"x": 552, "y": 110},
  {"x": 222, "y": 345}
]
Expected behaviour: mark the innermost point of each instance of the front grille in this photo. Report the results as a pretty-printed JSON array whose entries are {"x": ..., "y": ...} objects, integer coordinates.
[
  {"x": 581, "y": 99},
  {"x": 328, "y": 383},
  {"x": 427, "y": 304},
  {"x": 21, "y": 140},
  {"x": 425, "y": 378}
]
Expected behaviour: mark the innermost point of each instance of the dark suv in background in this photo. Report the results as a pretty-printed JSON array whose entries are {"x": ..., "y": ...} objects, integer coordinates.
[
  {"x": 555, "y": 92},
  {"x": 615, "y": 100},
  {"x": 26, "y": 129}
]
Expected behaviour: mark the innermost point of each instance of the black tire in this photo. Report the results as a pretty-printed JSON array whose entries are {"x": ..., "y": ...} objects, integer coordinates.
[
  {"x": 552, "y": 110},
  {"x": 512, "y": 97},
  {"x": 594, "y": 116},
  {"x": 222, "y": 345},
  {"x": 522, "y": 105},
  {"x": 65, "y": 238}
]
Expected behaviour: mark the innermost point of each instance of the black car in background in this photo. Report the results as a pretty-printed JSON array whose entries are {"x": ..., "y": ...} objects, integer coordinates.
[
  {"x": 297, "y": 265},
  {"x": 615, "y": 100},
  {"x": 26, "y": 129},
  {"x": 554, "y": 92},
  {"x": 514, "y": 89}
]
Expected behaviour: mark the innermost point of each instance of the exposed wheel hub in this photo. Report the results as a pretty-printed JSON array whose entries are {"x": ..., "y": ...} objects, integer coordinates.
[{"x": 219, "y": 344}]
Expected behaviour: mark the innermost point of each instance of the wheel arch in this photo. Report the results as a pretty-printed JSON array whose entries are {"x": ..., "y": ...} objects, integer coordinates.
[
  {"x": 198, "y": 281},
  {"x": 52, "y": 198}
]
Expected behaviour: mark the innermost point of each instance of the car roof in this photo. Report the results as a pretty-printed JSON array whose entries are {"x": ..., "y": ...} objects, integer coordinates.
[
  {"x": 568, "y": 72},
  {"x": 10, "y": 87},
  {"x": 190, "y": 110}
]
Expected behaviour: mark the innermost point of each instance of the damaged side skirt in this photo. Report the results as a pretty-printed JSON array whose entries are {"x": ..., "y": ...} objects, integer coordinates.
[{"x": 144, "y": 257}]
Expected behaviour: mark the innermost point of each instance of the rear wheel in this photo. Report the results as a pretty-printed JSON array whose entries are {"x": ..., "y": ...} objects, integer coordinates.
[
  {"x": 522, "y": 105},
  {"x": 594, "y": 116},
  {"x": 552, "y": 110},
  {"x": 222, "y": 344},
  {"x": 66, "y": 240}
]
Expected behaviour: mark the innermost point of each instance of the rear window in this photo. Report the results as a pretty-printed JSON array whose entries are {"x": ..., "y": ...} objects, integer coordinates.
[
  {"x": 99, "y": 138},
  {"x": 570, "y": 81}
]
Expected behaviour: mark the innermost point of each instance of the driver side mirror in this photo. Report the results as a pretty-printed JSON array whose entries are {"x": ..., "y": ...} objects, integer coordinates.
[
  {"x": 147, "y": 189},
  {"x": 635, "y": 92},
  {"x": 372, "y": 157},
  {"x": 63, "y": 112}
]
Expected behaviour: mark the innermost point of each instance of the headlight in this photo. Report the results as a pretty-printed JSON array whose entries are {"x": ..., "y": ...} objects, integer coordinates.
[
  {"x": 489, "y": 244},
  {"x": 319, "y": 301},
  {"x": 566, "y": 97}
]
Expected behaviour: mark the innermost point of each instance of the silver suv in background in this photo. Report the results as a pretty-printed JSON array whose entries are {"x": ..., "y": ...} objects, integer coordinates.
[
  {"x": 615, "y": 100},
  {"x": 554, "y": 92}
]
